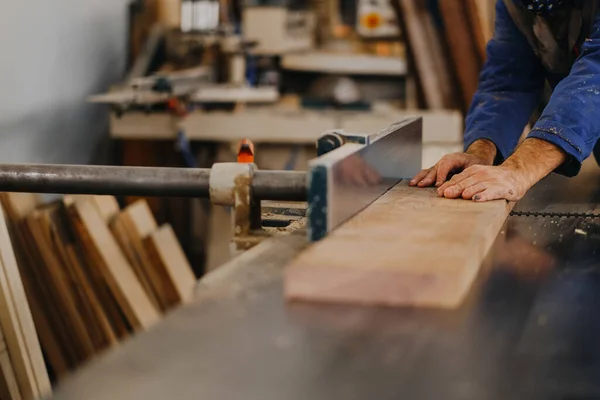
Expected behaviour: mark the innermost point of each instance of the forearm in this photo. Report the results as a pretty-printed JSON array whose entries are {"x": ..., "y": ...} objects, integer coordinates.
[
  {"x": 484, "y": 149},
  {"x": 509, "y": 88},
  {"x": 534, "y": 159}
]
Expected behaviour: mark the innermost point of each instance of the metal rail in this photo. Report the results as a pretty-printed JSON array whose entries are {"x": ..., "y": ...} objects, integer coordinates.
[{"x": 140, "y": 181}]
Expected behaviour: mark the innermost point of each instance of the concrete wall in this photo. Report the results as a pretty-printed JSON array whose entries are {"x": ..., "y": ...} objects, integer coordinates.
[{"x": 52, "y": 55}]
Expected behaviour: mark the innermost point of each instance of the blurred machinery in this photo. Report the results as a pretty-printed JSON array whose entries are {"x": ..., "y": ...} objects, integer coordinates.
[
  {"x": 271, "y": 71},
  {"x": 376, "y": 19}
]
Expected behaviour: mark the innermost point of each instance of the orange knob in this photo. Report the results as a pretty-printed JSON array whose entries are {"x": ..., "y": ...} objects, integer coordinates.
[{"x": 245, "y": 151}]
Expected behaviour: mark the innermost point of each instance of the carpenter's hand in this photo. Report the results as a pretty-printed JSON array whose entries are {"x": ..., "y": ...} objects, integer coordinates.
[
  {"x": 438, "y": 174},
  {"x": 485, "y": 183}
]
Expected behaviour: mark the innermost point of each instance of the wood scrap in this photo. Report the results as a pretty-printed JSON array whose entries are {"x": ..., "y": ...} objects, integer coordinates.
[
  {"x": 130, "y": 228},
  {"x": 140, "y": 215},
  {"x": 108, "y": 258},
  {"x": 463, "y": 48},
  {"x": 485, "y": 11},
  {"x": 132, "y": 247},
  {"x": 169, "y": 260},
  {"x": 412, "y": 18},
  {"x": 61, "y": 286},
  {"x": 107, "y": 206},
  {"x": 408, "y": 248},
  {"x": 476, "y": 24},
  {"x": 57, "y": 231},
  {"x": 447, "y": 85},
  {"x": 9, "y": 388},
  {"x": 17, "y": 207},
  {"x": 18, "y": 326}
]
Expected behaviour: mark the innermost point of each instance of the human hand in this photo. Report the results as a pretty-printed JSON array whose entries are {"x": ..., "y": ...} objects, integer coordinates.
[
  {"x": 439, "y": 173},
  {"x": 485, "y": 183},
  {"x": 481, "y": 152}
]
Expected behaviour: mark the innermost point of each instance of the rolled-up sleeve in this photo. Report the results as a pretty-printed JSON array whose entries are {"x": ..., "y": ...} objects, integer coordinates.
[
  {"x": 510, "y": 87},
  {"x": 571, "y": 120}
]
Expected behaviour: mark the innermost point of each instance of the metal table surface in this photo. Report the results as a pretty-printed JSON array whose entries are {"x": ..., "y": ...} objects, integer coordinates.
[{"x": 530, "y": 329}]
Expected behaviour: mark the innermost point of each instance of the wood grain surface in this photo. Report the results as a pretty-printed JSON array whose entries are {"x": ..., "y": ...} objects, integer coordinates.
[
  {"x": 17, "y": 324},
  {"x": 108, "y": 258},
  {"x": 408, "y": 248}
]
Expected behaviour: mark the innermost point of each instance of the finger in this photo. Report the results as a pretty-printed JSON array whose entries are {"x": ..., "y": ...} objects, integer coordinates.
[
  {"x": 419, "y": 177},
  {"x": 467, "y": 173},
  {"x": 429, "y": 179},
  {"x": 456, "y": 190},
  {"x": 455, "y": 179},
  {"x": 473, "y": 190},
  {"x": 447, "y": 165},
  {"x": 489, "y": 194}
]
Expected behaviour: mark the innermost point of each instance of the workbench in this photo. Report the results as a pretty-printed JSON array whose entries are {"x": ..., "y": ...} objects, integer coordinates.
[{"x": 529, "y": 329}]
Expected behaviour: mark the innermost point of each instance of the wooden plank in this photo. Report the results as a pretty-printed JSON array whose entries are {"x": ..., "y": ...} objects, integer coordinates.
[
  {"x": 447, "y": 86},
  {"x": 108, "y": 302},
  {"x": 413, "y": 20},
  {"x": 141, "y": 218},
  {"x": 18, "y": 206},
  {"x": 485, "y": 10},
  {"x": 9, "y": 388},
  {"x": 114, "y": 267},
  {"x": 58, "y": 232},
  {"x": 107, "y": 206},
  {"x": 477, "y": 27},
  {"x": 408, "y": 248},
  {"x": 131, "y": 227},
  {"x": 61, "y": 286},
  {"x": 463, "y": 49},
  {"x": 131, "y": 245},
  {"x": 17, "y": 324},
  {"x": 170, "y": 261}
]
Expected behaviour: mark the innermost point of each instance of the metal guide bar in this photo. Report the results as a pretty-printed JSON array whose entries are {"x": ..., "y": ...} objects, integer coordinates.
[
  {"x": 140, "y": 181},
  {"x": 346, "y": 180}
]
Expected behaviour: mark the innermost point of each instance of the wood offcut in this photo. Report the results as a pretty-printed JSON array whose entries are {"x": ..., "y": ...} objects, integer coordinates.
[
  {"x": 114, "y": 268},
  {"x": 17, "y": 324}
]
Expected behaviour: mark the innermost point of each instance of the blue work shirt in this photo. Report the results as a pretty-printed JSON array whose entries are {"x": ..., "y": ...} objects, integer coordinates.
[{"x": 510, "y": 88}]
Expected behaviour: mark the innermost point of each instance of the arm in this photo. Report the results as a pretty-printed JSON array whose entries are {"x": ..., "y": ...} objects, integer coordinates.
[
  {"x": 509, "y": 88},
  {"x": 563, "y": 137},
  {"x": 571, "y": 119}
]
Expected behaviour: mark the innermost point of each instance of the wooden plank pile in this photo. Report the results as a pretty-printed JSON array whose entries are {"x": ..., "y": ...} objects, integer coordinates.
[
  {"x": 446, "y": 42},
  {"x": 77, "y": 276}
]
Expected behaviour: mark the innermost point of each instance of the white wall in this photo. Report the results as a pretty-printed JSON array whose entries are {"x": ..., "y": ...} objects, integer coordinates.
[{"x": 54, "y": 53}]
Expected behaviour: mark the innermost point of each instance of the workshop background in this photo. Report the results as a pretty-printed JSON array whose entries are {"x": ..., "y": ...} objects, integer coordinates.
[{"x": 182, "y": 83}]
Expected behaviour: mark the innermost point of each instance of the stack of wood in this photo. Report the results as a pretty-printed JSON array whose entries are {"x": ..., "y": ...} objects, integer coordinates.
[
  {"x": 446, "y": 42},
  {"x": 91, "y": 275}
]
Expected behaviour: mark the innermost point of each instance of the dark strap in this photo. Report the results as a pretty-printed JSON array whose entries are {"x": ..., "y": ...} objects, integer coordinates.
[
  {"x": 523, "y": 22},
  {"x": 583, "y": 16},
  {"x": 588, "y": 17}
]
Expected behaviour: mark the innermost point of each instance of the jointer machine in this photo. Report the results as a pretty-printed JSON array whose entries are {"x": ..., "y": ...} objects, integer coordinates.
[
  {"x": 351, "y": 172},
  {"x": 528, "y": 330}
]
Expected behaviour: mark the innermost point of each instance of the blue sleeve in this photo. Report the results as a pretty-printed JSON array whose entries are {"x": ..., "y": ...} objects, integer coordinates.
[
  {"x": 571, "y": 120},
  {"x": 510, "y": 87}
]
